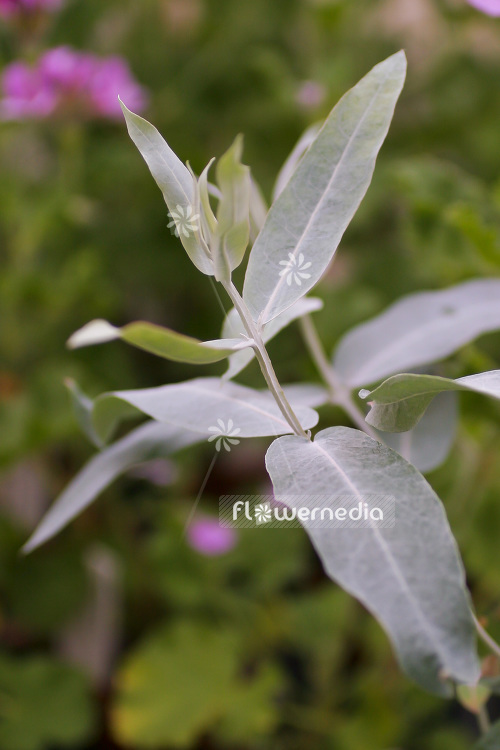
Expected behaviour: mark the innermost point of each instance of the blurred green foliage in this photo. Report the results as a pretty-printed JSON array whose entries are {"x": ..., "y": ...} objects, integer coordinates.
[{"x": 255, "y": 649}]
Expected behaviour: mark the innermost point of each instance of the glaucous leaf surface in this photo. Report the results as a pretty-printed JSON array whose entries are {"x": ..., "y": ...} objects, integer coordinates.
[
  {"x": 234, "y": 328},
  {"x": 418, "y": 329},
  {"x": 158, "y": 340},
  {"x": 82, "y": 409},
  {"x": 409, "y": 575},
  {"x": 233, "y": 211},
  {"x": 151, "y": 440},
  {"x": 306, "y": 223},
  {"x": 428, "y": 444},
  {"x": 174, "y": 180},
  {"x": 399, "y": 402},
  {"x": 199, "y": 405},
  {"x": 296, "y": 155}
]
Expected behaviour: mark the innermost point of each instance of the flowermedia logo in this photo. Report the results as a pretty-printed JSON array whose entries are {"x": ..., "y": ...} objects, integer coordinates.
[
  {"x": 315, "y": 511},
  {"x": 183, "y": 221}
]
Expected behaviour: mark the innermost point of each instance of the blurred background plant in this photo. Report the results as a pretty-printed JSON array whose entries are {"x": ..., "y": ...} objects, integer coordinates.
[{"x": 123, "y": 631}]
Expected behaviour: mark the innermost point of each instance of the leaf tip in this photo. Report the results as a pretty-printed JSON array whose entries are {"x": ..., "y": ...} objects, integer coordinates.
[{"x": 96, "y": 332}]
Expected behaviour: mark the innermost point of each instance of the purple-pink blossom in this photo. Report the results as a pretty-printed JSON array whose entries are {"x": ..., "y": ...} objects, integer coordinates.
[
  {"x": 66, "y": 81},
  {"x": 18, "y": 7},
  {"x": 491, "y": 7},
  {"x": 207, "y": 537}
]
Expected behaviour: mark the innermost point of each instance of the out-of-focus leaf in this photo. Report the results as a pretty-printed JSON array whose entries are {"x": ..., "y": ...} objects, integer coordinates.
[
  {"x": 306, "y": 223},
  {"x": 43, "y": 704},
  {"x": 399, "y": 402},
  {"x": 428, "y": 444},
  {"x": 174, "y": 686},
  {"x": 418, "y": 329},
  {"x": 149, "y": 441},
  {"x": 408, "y": 575},
  {"x": 174, "y": 180},
  {"x": 201, "y": 405},
  {"x": 491, "y": 740},
  {"x": 233, "y": 327},
  {"x": 158, "y": 340},
  {"x": 82, "y": 407}
]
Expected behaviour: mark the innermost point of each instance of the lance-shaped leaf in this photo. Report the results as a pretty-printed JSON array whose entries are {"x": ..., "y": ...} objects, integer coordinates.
[
  {"x": 176, "y": 183},
  {"x": 82, "y": 408},
  {"x": 233, "y": 211},
  {"x": 409, "y": 575},
  {"x": 157, "y": 340},
  {"x": 306, "y": 223},
  {"x": 200, "y": 405},
  {"x": 296, "y": 155},
  {"x": 151, "y": 440},
  {"x": 418, "y": 329},
  {"x": 428, "y": 444},
  {"x": 400, "y": 402},
  {"x": 234, "y": 328}
]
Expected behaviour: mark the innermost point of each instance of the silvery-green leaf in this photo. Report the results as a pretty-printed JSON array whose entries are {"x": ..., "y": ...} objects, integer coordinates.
[
  {"x": 174, "y": 180},
  {"x": 491, "y": 740},
  {"x": 233, "y": 211},
  {"x": 306, "y": 223},
  {"x": 409, "y": 575},
  {"x": 82, "y": 408},
  {"x": 200, "y": 405},
  {"x": 158, "y": 340},
  {"x": 428, "y": 444},
  {"x": 399, "y": 402},
  {"x": 418, "y": 329},
  {"x": 307, "y": 394},
  {"x": 151, "y": 440},
  {"x": 292, "y": 161},
  {"x": 233, "y": 328},
  {"x": 258, "y": 210}
]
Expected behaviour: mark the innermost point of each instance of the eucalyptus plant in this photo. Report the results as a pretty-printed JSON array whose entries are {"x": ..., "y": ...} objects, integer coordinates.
[{"x": 410, "y": 575}]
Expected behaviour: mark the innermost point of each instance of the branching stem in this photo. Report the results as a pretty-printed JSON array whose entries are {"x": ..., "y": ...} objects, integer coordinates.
[
  {"x": 264, "y": 360},
  {"x": 339, "y": 394}
]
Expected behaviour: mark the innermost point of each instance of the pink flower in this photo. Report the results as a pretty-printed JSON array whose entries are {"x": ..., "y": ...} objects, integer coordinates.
[
  {"x": 17, "y": 7},
  {"x": 208, "y": 538},
  {"x": 491, "y": 7},
  {"x": 65, "y": 80}
]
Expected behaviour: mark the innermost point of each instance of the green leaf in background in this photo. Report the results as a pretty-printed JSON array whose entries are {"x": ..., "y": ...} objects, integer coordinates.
[
  {"x": 428, "y": 444},
  {"x": 183, "y": 681},
  {"x": 148, "y": 441},
  {"x": 233, "y": 211},
  {"x": 306, "y": 223},
  {"x": 418, "y": 329},
  {"x": 174, "y": 180},
  {"x": 409, "y": 575},
  {"x": 233, "y": 327},
  {"x": 400, "y": 402},
  {"x": 43, "y": 704},
  {"x": 157, "y": 340},
  {"x": 201, "y": 405}
]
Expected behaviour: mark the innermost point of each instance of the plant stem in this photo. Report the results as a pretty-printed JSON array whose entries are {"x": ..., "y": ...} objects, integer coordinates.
[
  {"x": 264, "y": 360},
  {"x": 339, "y": 394},
  {"x": 483, "y": 719},
  {"x": 486, "y": 637}
]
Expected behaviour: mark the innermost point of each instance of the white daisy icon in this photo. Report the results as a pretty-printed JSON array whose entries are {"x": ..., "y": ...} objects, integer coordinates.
[
  {"x": 225, "y": 436},
  {"x": 184, "y": 221},
  {"x": 263, "y": 513},
  {"x": 294, "y": 269}
]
